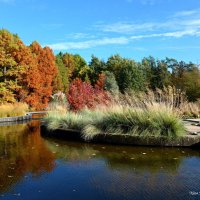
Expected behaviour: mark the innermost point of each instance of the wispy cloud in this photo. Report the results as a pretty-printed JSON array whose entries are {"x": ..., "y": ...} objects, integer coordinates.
[
  {"x": 78, "y": 36},
  {"x": 176, "y": 34},
  {"x": 181, "y": 24},
  {"x": 125, "y": 27},
  {"x": 180, "y": 21},
  {"x": 185, "y": 13},
  {"x": 89, "y": 43},
  {"x": 119, "y": 40}
]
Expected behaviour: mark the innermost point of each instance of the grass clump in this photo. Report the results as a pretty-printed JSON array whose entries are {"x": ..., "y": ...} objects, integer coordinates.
[
  {"x": 139, "y": 122},
  {"x": 13, "y": 110},
  {"x": 70, "y": 120},
  {"x": 157, "y": 120},
  {"x": 56, "y": 120}
]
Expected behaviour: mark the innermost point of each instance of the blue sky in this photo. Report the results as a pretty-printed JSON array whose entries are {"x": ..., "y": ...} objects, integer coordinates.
[{"x": 132, "y": 28}]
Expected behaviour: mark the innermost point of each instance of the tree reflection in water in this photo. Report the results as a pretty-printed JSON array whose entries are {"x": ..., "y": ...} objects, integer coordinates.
[
  {"x": 22, "y": 151},
  {"x": 142, "y": 159},
  {"x": 97, "y": 170}
]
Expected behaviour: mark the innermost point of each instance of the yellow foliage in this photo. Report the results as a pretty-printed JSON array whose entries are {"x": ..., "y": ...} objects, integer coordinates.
[{"x": 11, "y": 110}]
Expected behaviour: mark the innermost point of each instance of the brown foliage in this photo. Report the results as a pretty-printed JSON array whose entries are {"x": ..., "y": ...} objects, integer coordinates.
[{"x": 38, "y": 79}]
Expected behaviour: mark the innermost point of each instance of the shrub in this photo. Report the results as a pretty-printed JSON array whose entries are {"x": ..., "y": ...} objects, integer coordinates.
[
  {"x": 11, "y": 110},
  {"x": 82, "y": 94}
]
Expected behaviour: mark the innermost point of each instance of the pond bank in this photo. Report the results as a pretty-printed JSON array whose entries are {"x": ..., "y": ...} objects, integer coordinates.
[
  {"x": 185, "y": 141},
  {"x": 28, "y": 116}
]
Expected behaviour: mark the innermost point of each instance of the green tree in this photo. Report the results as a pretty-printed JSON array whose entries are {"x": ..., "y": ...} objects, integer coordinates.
[
  {"x": 96, "y": 66},
  {"x": 128, "y": 74},
  {"x": 81, "y": 69},
  {"x": 131, "y": 77},
  {"x": 156, "y": 72},
  {"x": 62, "y": 72},
  {"x": 111, "y": 83},
  {"x": 191, "y": 84}
]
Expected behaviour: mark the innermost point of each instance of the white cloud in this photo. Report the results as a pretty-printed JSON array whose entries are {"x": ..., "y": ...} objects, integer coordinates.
[
  {"x": 176, "y": 34},
  {"x": 88, "y": 44},
  {"x": 119, "y": 40},
  {"x": 128, "y": 27},
  {"x": 185, "y": 13},
  {"x": 125, "y": 27},
  {"x": 77, "y": 36},
  {"x": 181, "y": 24}
]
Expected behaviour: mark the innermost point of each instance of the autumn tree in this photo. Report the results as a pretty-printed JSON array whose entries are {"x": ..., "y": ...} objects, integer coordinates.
[
  {"x": 37, "y": 82},
  {"x": 71, "y": 67},
  {"x": 10, "y": 68},
  {"x": 82, "y": 94}
]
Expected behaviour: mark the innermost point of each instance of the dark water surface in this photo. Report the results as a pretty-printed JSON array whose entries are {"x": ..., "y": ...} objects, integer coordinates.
[{"x": 36, "y": 168}]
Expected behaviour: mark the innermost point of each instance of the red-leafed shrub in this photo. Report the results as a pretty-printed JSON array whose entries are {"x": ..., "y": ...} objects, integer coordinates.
[{"x": 82, "y": 94}]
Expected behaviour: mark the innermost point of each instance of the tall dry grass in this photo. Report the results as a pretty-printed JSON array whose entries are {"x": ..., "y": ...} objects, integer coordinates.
[
  {"x": 169, "y": 96},
  {"x": 12, "y": 110},
  {"x": 147, "y": 114}
]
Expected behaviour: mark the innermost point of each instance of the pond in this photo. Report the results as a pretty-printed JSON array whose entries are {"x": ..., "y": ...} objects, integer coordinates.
[{"x": 36, "y": 168}]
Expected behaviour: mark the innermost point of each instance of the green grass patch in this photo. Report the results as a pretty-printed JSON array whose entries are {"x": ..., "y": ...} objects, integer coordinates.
[{"x": 154, "y": 120}]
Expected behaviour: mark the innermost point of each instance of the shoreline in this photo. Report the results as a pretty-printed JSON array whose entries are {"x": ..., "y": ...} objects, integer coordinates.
[
  {"x": 192, "y": 141},
  {"x": 26, "y": 117}
]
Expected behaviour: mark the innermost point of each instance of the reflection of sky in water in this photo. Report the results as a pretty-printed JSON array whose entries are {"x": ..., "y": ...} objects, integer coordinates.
[{"x": 36, "y": 168}]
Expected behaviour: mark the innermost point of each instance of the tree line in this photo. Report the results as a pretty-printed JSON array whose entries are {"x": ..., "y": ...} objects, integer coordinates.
[{"x": 33, "y": 73}]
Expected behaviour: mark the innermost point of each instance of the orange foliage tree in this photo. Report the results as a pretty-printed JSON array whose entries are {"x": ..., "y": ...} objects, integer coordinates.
[
  {"x": 26, "y": 72},
  {"x": 38, "y": 80}
]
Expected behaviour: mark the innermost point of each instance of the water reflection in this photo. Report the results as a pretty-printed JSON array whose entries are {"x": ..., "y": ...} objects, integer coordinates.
[
  {"x": 120, "y": 172},
  {"x": 138, "y": 159},
  {"x": 22, "y": 151},
  {"x": 91, "y": 171}
]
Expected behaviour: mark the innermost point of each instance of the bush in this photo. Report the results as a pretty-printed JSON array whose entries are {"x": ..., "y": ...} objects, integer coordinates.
[
  {"x": 83, "y": 95},
  {"x": 12, "y": 110}
]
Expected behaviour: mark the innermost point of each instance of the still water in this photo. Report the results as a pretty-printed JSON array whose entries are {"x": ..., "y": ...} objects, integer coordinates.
[{"x": 36, "y": 168}]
